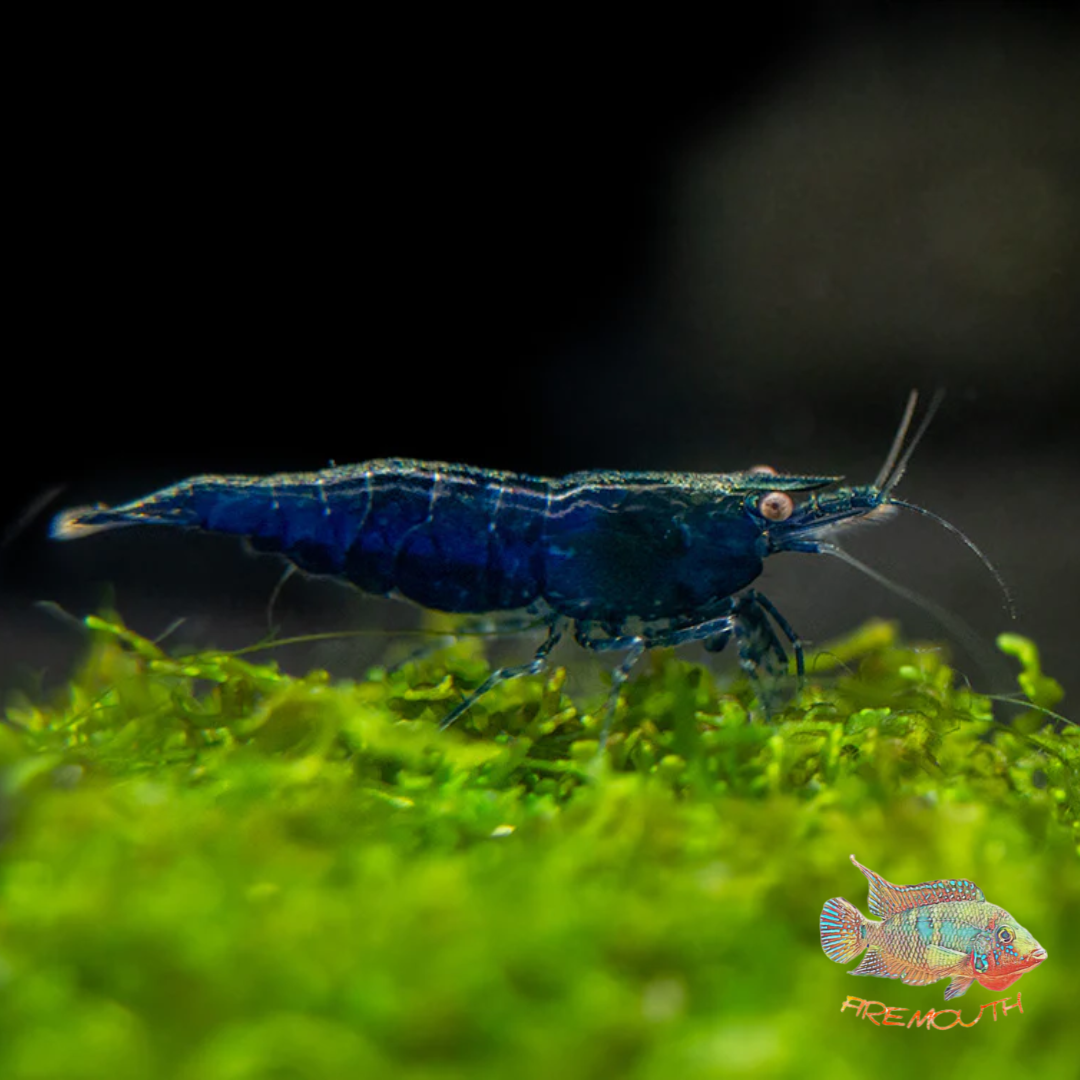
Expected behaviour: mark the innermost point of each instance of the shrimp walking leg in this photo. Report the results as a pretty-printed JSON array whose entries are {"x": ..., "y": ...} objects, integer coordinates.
[
  {"x": 756, "y": 637},
  {"x": 636, "y": 645},
  {"x": 761, "y": 601},
  {"x": 532, "y": 667},
  {"x": 759, "y": 646}
]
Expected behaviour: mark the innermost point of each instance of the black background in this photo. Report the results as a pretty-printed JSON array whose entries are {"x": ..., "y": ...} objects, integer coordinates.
[{"x": 265, "y": 248}]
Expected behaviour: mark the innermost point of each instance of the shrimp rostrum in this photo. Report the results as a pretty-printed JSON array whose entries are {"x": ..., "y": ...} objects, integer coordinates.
[{"x": 626, "y": 561}]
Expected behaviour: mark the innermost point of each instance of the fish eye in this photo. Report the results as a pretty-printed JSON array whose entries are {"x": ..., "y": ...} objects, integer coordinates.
[
  {"x": 1005, "y": 936},
  {"x": 765, "y": 470},
  {"x": 776, "y": 506}
]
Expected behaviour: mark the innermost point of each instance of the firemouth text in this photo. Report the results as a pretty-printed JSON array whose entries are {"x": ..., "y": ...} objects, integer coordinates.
[{"x": 877, "y": 1012}]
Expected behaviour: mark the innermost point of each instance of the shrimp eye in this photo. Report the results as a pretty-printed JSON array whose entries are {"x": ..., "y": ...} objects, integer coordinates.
[
  {"x": 776, "y": 506},
  {"x": 1005, "y": 936}
]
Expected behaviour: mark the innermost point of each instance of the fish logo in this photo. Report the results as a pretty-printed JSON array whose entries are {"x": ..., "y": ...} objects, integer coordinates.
[{"x": 936, "y": 930}]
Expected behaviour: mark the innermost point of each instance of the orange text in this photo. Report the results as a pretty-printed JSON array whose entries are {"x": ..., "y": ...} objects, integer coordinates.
[{"x": 877, "y": 1012}]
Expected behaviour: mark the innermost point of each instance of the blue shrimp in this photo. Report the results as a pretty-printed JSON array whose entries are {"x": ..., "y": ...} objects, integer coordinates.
[{"x": 629, "y": 560}]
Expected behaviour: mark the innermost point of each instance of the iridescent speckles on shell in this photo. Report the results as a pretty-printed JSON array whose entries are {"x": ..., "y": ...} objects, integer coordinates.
[{"x": 936, "y": 930}]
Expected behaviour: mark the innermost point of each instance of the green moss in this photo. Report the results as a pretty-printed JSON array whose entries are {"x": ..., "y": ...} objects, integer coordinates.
[{"x": 211, "y": 869}]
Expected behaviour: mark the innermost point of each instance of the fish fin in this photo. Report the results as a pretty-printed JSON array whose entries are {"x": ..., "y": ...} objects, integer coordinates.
[
  {"x": 843, "y": 934},
  {"x": 958, "y": 987},
  {"x": 889, "y": 899},
  {"x": 919, "y": 977},
  {"x": 873, "y": 963}
]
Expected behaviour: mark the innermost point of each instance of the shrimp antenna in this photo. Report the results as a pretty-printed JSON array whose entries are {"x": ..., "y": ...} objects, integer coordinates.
[
  {"x": 1010, "y": 605},
  {"x": 289, "y": 571},
  {"x": 901, "y": 467},
  {"x": 29, "y": 513},
  {"x": 898, "y": 439},
  {"x": 893, "y": 469},
  {"x": 983, "y": 655}
]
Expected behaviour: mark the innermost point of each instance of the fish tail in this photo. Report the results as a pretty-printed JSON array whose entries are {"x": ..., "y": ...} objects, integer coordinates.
[{"x": 843, "y": 930}]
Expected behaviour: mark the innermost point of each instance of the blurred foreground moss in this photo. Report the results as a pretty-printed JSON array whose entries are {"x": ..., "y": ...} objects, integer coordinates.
[{"x": 211, "y": 869}]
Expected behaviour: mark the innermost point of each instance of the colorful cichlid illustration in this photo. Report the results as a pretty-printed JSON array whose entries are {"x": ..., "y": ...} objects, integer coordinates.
[{"x": 940, "y": 929}]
